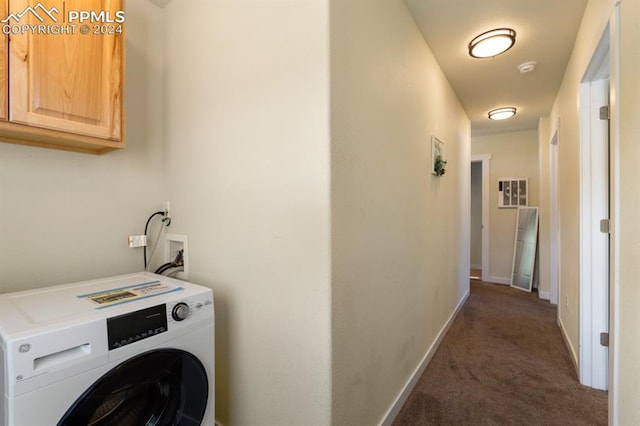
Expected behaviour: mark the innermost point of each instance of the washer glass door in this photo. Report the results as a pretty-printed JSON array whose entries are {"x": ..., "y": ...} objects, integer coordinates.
[{"x": 160, "y": 387}]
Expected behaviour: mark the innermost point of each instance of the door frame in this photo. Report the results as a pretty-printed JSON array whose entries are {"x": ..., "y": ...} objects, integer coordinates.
[
  {"x": 595, "y": 190},
  {"x": 485, "y": 159},
  {"x": 554, "y": 220},
  {"x": 594, "y": 245}
]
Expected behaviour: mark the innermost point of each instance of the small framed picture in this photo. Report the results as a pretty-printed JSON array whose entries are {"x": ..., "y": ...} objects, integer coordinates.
[
  {"x": 513, "y": 192},
  {"x": 437, "y": 157}
]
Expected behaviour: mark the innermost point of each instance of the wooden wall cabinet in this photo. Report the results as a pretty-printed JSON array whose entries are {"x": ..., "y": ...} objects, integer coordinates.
[{"x": 62, "y": 91}]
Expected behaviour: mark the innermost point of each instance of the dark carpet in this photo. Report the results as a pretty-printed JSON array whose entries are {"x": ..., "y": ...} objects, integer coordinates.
[{"x": 503, "y": 362}]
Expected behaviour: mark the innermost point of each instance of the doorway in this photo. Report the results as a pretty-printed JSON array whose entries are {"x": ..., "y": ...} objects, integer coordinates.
[
  {"x": 480, "y": 222},
  {"x": 475, "y": 254}
]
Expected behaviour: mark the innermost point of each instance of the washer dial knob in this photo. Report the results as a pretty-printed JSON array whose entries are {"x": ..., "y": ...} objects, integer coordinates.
[{"x": 180, "y": 312}]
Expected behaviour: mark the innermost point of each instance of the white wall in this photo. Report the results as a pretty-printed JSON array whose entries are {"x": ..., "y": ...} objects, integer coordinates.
[
  {"x": 476, "y": 215},
  {"x": 66, "y": 216},
  {"x": 400, "y": 235},
  {"x": 625, "y": 391},
  {"x": 564, "y": 118},
  {"x": 627, "y": 291},
  {"x": 247, "y": 135},
  {"x": 513, "y": 155}
]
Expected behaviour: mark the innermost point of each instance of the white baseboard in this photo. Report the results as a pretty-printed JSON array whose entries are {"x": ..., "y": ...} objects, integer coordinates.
[
  {"x": 395, "y": 408},
  {"x": 544, "y": 295},
  {"x": 574, "y": 355},
  {"x": 498, "y": 280}
]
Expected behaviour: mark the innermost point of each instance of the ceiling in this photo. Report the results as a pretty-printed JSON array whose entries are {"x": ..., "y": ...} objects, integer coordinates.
[{"x": 546, "y": 31}]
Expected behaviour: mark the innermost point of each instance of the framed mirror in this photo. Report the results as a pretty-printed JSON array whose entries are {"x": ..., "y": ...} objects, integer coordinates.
[{"x": 524, "y": 249}]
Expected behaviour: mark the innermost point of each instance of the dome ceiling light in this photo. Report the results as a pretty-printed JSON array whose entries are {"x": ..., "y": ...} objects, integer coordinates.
[
  {"x": 502, "y": 113},
  {"x": 492, "y": 43}
]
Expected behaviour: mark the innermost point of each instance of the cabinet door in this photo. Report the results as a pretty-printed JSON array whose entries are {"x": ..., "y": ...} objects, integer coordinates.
[{"x": 69, "y": 82}]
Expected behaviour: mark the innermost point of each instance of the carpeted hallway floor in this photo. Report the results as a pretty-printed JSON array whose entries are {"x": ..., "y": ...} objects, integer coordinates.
[{"x": 503, "y": 362}]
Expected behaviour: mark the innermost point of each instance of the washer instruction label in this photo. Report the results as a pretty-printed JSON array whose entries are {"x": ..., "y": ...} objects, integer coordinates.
[{"x": 117, "y": 296}]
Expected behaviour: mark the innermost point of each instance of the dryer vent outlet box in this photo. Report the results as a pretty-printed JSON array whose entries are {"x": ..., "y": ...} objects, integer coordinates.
[{"x": 173, "y": 243}]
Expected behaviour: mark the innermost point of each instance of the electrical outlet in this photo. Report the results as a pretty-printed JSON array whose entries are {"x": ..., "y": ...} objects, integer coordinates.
[
  {"x": 166, "y": 207},
  {"x": 173, "y": 243}
]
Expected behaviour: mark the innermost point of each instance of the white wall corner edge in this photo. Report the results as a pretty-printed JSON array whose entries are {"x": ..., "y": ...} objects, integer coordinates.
[
  {"x": 574, "y": 354},
  {"x": 397, "y": 405}
]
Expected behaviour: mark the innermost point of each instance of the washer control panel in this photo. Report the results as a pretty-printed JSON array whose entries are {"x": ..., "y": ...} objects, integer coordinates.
[
  {"x": 134, "y": 326},
  {"x": 125, "y": 329}
]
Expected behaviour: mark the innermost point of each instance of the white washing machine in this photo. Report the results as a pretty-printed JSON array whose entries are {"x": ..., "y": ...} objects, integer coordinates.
[{"x": 129, "y": 350}]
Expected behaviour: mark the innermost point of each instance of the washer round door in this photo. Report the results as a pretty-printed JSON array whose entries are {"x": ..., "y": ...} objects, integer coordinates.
[{"x": 160, "y": 387}]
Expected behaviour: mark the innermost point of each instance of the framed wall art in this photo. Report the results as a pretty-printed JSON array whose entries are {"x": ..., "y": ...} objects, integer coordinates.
[{"x": 513, "y": 192}]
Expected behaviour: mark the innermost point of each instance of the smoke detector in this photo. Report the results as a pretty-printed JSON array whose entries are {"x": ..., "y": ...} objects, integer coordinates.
[{"x": 527, "y": 67}]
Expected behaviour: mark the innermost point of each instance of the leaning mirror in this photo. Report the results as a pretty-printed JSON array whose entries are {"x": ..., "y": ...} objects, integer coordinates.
[{"x": 524, "y": 250}]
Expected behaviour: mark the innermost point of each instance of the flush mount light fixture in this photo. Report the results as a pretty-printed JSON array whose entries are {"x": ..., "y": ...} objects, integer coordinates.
[
  {"x": 492, "y": 43},
  {"x": 502, "y": 113}
]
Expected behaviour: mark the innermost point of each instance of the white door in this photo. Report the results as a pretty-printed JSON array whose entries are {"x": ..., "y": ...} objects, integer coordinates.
[{"x": 594, "y": 287}]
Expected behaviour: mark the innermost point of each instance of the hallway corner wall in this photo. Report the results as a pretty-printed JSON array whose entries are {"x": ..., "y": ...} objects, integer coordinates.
[
  {"x": 400, "y": 235},
  {"x": 247, "y": 136},
  {"x": 565, "y": 119}
]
